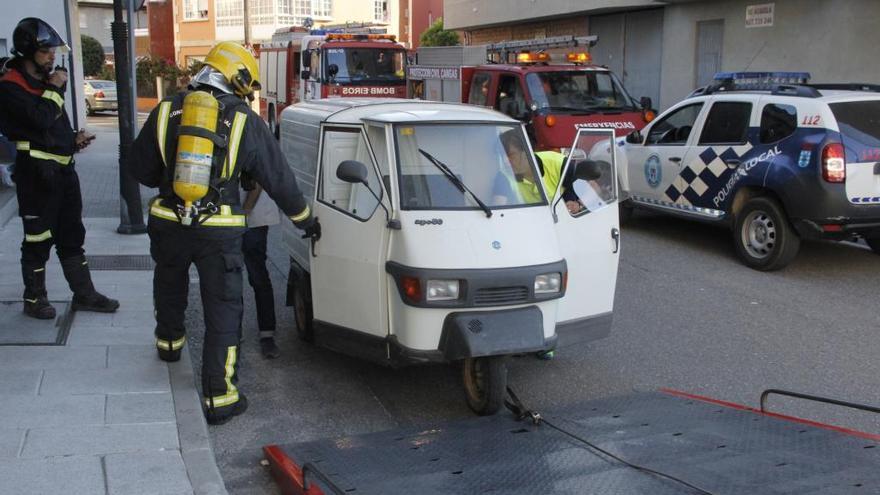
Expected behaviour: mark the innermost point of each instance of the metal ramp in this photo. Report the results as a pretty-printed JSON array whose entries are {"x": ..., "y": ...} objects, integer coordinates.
[{"x": 711, "y": 446}]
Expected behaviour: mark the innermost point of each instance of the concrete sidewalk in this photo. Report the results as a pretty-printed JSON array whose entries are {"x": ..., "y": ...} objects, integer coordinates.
[{"x": 96, "y": 412}]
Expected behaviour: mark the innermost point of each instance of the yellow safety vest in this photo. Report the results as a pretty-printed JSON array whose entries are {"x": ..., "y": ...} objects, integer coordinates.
[{"x": 553, "y": 163}]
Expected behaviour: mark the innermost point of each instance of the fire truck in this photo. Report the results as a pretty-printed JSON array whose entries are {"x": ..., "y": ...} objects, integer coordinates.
[
  {"x": 334, "y": 61},
  {"x": 520, "y": 79}
]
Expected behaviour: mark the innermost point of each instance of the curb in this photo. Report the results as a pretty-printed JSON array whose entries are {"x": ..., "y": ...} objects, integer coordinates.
[{"x": 192, "y": 431}]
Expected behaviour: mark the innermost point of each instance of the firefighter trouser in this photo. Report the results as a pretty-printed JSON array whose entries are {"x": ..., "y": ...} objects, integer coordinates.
[
  {"x": 218, "y": 261},
  {"x": 50, "y": 206},
  {"x": 254, "y": 249}
]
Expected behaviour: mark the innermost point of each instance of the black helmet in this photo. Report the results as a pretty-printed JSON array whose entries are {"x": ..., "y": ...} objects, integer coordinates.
[{"x": 32, "y": 34}]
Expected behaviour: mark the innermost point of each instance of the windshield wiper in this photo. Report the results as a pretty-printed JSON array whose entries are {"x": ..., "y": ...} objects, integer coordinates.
[{"x": 456, "y": 181}]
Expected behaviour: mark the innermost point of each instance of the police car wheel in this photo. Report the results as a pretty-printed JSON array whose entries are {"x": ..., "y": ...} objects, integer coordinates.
[
  {"x": 485, "y": 383},
  {"x": 89, "y": 110},
  {"x": 302, "y": 307},
  {"x": 764, "y": 238},
  {"x": 874, "y": 244}
]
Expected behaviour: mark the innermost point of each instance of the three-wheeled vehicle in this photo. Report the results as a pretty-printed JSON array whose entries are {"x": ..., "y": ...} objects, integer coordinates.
[{"x": 440, "y": 245}]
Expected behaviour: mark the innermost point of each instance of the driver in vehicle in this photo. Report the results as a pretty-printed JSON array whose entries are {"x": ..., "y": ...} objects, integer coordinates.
[{"x": 550, "y": 164}]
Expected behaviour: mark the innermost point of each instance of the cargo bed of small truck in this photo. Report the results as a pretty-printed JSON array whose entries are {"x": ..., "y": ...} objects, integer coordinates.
[{"x": 664, "y": 442}]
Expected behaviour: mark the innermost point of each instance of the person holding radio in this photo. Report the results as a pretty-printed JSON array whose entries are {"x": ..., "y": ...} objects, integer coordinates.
[{"x": 32, "y": 115}]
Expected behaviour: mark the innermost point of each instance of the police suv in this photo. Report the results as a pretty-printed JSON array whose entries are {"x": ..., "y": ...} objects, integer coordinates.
[{"x": 776, "y": 158}]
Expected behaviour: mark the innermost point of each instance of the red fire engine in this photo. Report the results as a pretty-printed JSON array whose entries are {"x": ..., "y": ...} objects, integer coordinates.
[
  {"x": 332, "y": 62},
  {"x": 519, "y": 79}
]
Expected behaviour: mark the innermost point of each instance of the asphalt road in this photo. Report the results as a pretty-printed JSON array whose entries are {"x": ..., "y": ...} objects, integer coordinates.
[{"x": 688, "y": 316}]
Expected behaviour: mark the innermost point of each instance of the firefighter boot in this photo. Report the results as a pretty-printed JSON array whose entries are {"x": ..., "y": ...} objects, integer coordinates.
[
  {"x": 85, "y": 297},
  {"x": 36, "y": 304},
  {"x": 221, "y": 415}
]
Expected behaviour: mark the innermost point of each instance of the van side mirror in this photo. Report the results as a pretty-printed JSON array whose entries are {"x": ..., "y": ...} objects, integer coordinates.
[
  {"x": 305, "y": 74},
  {"x": 589, "y": 169},
  {"x": 355, "y": 172},
  {"x": 352, "y": 171},
  {"x": 646, "y": 103},
  {"x": 332, "y": 70},
  {"x": 635, "y": 137}
]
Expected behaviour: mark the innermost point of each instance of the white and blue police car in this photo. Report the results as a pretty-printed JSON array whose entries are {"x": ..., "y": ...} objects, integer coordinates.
[{"x": 778, "y": 159}]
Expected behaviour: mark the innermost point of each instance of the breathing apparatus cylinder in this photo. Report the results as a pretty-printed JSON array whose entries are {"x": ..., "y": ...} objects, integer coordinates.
[{"x": 195, "y": 154}]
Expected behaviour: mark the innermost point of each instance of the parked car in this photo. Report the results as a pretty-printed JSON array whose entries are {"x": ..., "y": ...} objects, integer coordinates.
[
  {"x": 100, "y": 96},
  {"x": 776, "y": 158}
]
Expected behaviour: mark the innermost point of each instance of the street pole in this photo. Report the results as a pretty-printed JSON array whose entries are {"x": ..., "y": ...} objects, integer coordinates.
[
  {"x": 131, "y": 216},
  {"x": 247, "y": 24}
]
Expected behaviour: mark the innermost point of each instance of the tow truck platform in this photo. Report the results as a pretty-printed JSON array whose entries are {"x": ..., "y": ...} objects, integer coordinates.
[{"x": 658, "y": 443}]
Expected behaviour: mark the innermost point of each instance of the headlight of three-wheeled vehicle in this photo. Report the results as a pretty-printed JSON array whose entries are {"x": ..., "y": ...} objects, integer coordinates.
[
  {"x": 548, "y": 283},
  {"x": 442, "y": 290}
]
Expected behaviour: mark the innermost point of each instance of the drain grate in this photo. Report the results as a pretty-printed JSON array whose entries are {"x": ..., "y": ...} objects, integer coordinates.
[
  {"x": 120, "y": 262},
  {"x": 18, "y": 329}
]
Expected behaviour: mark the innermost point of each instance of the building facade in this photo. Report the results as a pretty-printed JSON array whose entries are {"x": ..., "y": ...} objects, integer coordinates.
[
  {"x": 94, "y": 19},
  {"x": 266, "y": 16},
  {"x": 63, "y": 16},
  {"x": 416, "y": 17},
  {"x": 161, "y": 29},
  {"x": 665, "y": 49}
]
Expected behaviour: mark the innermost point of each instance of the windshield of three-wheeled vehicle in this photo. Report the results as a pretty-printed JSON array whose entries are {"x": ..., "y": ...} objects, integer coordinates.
[
  {"x": 365, "y": 65},
  {"x": 578, "y": 91},
  {"x": 439, "y": 163}
]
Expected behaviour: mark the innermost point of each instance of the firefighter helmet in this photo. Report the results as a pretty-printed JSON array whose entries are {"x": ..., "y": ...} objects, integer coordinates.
[
  {"x": 237, "y": 64},
  {"x": 32, "y": 34}
]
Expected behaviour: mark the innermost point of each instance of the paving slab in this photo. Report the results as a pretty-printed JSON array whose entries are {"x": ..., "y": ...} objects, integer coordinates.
[
  {"x": 135, "y": 355},
  {"x": 20, "y": 329},
  {"x": 128, "y": 379},
  {"x": 76, "y": 474},
  {"x": 99, "y": 440},
  {"x": 25, "y": 382},
  {"x": 154, "y": 473},
  {"x": 55, "y": 410},
  {"x": 89, "y": 335},
  {"x": 124, "y": 317},
  {"x": 140, "y": 408},
  {"x": 52, "y": 358},
  {"x": 10, "y": 442}
]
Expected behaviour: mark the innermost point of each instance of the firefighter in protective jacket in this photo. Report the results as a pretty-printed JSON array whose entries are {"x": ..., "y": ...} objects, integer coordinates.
[
  {"x": 32, "y": 115},
  {"x": 199, "y": 152}
]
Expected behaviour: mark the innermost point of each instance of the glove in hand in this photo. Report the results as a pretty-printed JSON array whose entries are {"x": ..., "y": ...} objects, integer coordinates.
[{"x": 312, "y": 229}]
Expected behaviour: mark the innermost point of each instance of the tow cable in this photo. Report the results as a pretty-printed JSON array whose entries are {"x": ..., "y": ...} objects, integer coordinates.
[{"x": 521, "y": 412}]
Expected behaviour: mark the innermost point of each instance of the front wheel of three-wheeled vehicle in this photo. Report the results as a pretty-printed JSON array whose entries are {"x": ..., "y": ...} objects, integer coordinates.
[
  {"x": 764, "y": 238},
  {"x": 302, "y": 304},
  {"x": 485, "y": 383}
]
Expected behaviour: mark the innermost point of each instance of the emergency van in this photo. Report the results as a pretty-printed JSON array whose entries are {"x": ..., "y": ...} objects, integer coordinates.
[
  {"x": 429, "y": 254},
  {"x": 776, "y": 158},
  {"x": 331, "y": 62},
  {"x": 549, "y": 84}
]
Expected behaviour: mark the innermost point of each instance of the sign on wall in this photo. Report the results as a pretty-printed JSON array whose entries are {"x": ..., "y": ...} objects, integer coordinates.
[{"x": 760, "y": 15}]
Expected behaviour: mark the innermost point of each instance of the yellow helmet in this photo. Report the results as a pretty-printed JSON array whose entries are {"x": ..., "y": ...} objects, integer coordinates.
[{"x": 237, "y": 64}]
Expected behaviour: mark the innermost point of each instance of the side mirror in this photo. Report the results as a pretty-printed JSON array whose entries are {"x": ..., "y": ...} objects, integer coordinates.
[
  {"x": 589, "y": 169},
  {"x": 635, "y": 137},
  {"x": 305, "y": 74},
  {"x": 332, "y": 70},
  {"x": 646, "y": 103},
  {"x": 352, "y": 171}
]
